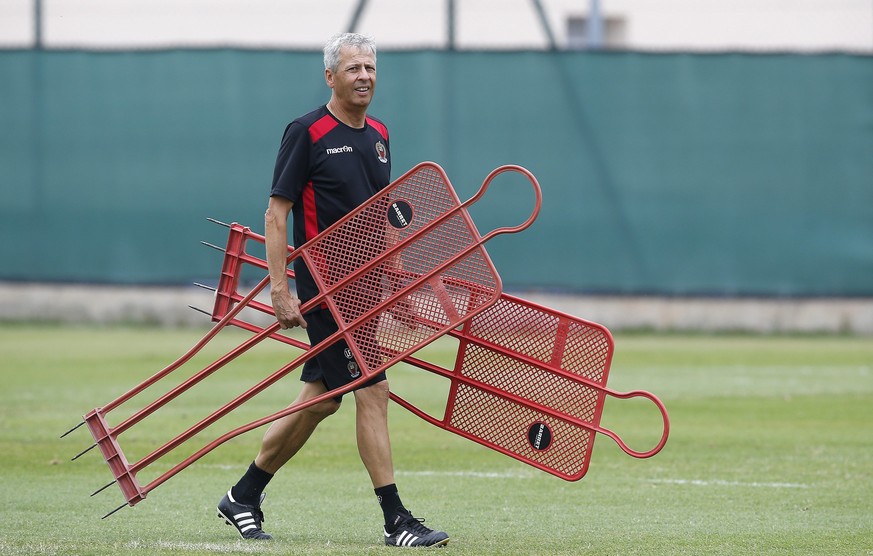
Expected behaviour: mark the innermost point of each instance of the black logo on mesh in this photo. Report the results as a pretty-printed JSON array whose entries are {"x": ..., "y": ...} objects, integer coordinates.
[
  {"x": 400, "y": 214},
  {"x": 540, "y": 436}
]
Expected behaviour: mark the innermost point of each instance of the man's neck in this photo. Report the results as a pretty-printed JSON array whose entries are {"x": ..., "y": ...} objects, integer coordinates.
[{"x": 356, "y": 119}]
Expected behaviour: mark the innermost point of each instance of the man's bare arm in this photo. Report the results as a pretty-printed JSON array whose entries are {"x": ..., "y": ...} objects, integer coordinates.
[{"x": 285, "y": 305}]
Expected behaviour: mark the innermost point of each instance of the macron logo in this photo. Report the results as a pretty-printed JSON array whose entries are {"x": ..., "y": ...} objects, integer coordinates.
[{"x": 340, "y": 150}]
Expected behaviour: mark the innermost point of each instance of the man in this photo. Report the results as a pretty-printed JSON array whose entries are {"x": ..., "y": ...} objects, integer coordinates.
[{"x": 330, "y": 161}]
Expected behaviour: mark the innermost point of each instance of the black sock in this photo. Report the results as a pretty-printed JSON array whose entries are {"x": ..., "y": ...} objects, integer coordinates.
[
  {"x": 249, "y": 488},
  {"x": 390, "y": 502}
]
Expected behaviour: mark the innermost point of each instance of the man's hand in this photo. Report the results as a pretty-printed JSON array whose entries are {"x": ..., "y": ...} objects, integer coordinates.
[{"x": 287, "y": 309}]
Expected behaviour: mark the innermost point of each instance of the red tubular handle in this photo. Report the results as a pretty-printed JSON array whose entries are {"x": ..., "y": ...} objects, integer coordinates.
[
  {"x": 537, "y": 193},
  {"x": 659, "y": 404}
]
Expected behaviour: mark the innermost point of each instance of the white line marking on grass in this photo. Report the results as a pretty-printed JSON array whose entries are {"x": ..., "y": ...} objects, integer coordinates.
[
  {"x": 222, "y": 466},
  {"x": 698, "y": 482},
  {"x": 475, "y": 474}
]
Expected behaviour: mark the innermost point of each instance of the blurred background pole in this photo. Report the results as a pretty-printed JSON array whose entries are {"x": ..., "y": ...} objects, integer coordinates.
[
  {"x": 594, "y": 32},
  {"x": 450, "y": 24},
  {"x": 37, "y": 24},
  {"x": 544, "y": 21},
  {"x": 356, "y": 16}
]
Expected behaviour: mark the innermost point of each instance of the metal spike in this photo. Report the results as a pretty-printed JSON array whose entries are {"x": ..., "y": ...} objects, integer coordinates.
[
  {"x": 83, "y": 452},
  {"x": 101, "y": 489},
  {"x": 72, "y": 429},
  {"x": 219, "y": 222},
  {"x": 207, "y": 244},
  {"x": 205, "y": 287},
  {"x": 199, "y": 310},
  {"x": 113, "y": 511}
]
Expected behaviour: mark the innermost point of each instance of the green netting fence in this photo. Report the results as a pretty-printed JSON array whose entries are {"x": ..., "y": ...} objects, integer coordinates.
[{"x": 670, "y": 174}]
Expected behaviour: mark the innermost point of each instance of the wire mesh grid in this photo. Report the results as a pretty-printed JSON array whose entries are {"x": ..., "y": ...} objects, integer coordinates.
[
  {"x": 522, "y": 356},
  {"x": 504, "y": 424},
  {"x": 530, "y": 383},
  {"x": 434, "y": 236},
  {"x": 537, "y": 333}
]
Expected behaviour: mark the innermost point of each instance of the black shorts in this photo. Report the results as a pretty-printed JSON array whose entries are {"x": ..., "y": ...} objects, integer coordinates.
[{"x": 335, "y": 366}]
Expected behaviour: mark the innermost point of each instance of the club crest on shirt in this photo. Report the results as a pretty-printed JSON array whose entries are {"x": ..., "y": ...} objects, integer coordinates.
[{"x": 381, "y": 152}]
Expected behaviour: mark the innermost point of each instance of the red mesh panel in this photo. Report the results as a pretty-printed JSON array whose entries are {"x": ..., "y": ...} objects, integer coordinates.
[
  {"x": 359, "y": 264},
  {"x": 587, "y": 352},
  {"x": 503, "y": 424},
  {"x": 525, "y": 364},
  {"x": 517, "y": 328},
  {"x": 532, "y": 383},
  {"x": 546, "y": 336}
]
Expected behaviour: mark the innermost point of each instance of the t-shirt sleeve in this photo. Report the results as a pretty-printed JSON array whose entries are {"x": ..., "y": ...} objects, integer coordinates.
[{"x": 292, "y": 163}]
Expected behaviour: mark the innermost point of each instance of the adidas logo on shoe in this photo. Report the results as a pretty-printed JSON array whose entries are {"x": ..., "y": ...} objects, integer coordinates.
[
  {"x": 245, "y": 519},
  {"x": 410, "y": 531}
]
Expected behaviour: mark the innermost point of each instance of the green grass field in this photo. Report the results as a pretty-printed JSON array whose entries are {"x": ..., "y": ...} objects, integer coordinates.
[{"x": 770, "y": 452}]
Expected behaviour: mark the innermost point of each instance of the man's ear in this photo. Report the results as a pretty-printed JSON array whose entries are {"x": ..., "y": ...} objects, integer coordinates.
[{"x": 328, "y": 78}]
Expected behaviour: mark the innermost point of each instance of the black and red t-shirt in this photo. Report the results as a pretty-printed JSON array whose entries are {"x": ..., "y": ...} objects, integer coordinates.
[{"x": 327, "y": 169}]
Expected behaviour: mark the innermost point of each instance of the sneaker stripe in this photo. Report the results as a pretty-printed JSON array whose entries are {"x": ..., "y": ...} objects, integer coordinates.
[{"x": 406, "y": 539}]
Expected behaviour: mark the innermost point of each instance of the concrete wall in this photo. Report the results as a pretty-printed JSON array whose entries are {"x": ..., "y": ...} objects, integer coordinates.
[{"x": 109, "y": 305}]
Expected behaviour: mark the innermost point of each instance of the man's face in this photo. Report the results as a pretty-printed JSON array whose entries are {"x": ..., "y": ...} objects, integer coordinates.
[{"x": 354, "y": 80}]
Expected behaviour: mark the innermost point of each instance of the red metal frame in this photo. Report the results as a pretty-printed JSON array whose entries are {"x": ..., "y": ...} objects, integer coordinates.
[
  {"x": 441, "y": 255},
  {"x": 518, "y": 364}
]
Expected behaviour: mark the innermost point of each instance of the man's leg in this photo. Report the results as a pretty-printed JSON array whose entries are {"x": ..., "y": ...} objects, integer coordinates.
[
  {"x": 287, "y": 435},
  {"x": 374, "y": 446},
  {"x": 241, "y": 506}
]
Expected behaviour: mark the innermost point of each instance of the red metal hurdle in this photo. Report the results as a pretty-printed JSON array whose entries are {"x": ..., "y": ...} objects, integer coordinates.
[
  {"x": 413, "y": 238},
  {"x": 527, "y": 381}
]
